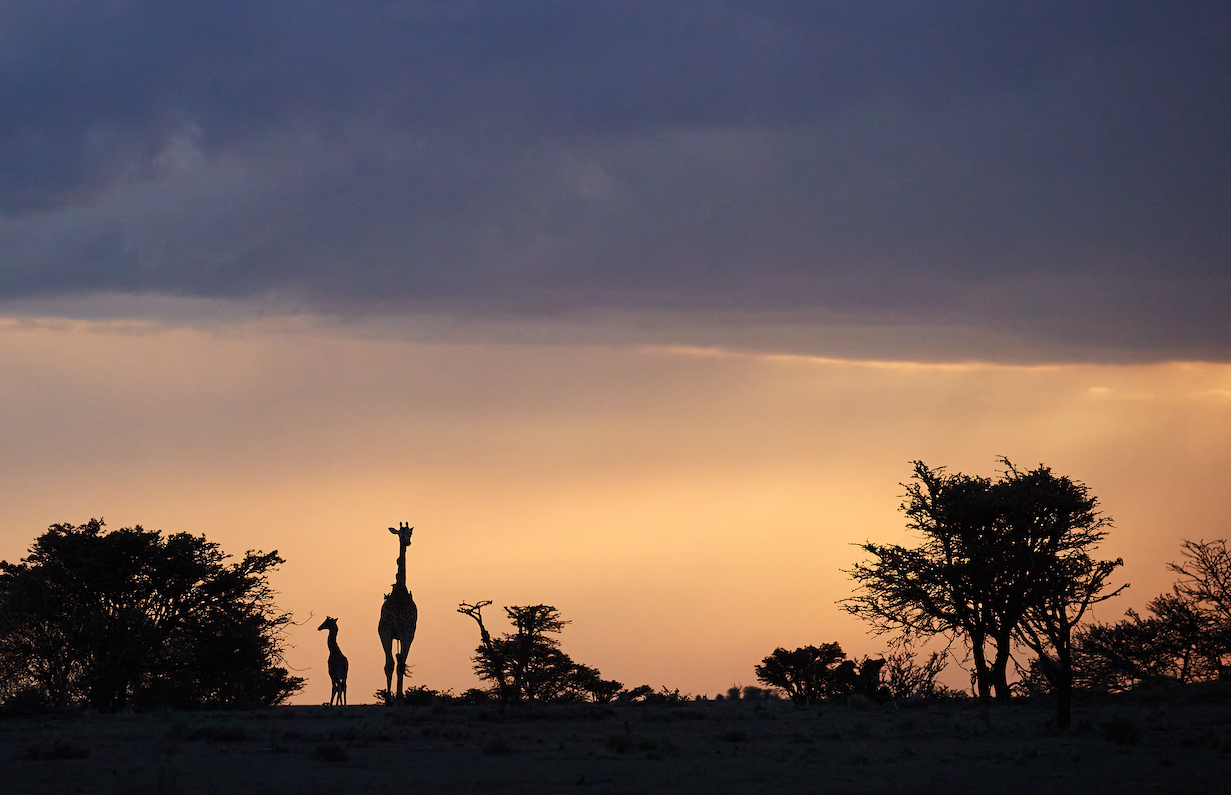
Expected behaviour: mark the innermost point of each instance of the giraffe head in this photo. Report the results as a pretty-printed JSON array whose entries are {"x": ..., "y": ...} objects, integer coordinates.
[
  {"x": 328, "y": 623},
  {"x": 402, "y": 531}
]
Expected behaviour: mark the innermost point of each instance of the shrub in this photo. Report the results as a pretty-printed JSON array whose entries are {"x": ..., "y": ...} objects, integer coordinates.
[
  {"x": 477, "y": 695},
  {"x": 25, "y": 701},
  {"x": 666, "y": 696},
  {"x": 806, "y": 675},
  {"x": 907, "y": 678}
]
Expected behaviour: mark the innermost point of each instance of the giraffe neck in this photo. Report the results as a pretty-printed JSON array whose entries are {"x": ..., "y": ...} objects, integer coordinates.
[
  {"x": 333, "y": 640},
  {"x": 401, "y": 578}
]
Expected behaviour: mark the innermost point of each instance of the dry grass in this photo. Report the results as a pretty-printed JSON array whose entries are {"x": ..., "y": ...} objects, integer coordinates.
[{"x": 702, "y": 747}]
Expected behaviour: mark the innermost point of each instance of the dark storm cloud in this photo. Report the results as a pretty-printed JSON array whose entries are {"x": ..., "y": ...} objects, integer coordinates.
[{"x": 1056, "y": 171}]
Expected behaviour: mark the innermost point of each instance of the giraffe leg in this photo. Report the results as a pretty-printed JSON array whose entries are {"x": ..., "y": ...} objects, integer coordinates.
[
  {"x": 402, "y": 652},
  {"x": 388, "y": 644}
]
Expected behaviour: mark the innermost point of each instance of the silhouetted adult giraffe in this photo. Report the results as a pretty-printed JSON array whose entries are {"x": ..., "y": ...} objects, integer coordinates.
[
  {"x": 398, "y": 616},
  {"x": 337, "y": 662}
]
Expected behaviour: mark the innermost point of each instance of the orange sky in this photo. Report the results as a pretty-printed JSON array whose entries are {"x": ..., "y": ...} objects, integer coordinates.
[{"x": 688, "y": 510}]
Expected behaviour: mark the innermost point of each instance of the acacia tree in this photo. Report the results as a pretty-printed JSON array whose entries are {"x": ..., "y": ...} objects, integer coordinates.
[
  {"x": 108, "y": 618},
  {"x": 1075, "y": 583},
  {"x": 944, "y": 586},
  {"x": 1185, "y": 636},
  {"x": 1172, "y": 642},
  {"x": 528, "y": 664},
  {"x": 1000, "y": 562},
  {"x": 1050, "y": 528},
  {"x": 1205, "y": 585}
]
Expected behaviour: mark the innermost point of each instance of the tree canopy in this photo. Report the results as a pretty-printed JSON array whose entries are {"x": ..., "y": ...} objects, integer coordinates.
[{"x": 111, "y": 618}]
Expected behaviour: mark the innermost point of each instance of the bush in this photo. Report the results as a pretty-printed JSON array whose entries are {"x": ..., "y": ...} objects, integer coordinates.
[
  {"x": 477, "y": 695},
  {"x": 807, "y": 675},
  {"x": 666, "y": 696},
  {"x": 907, "y": 678},
  {"x": 25, "y": 701},
  {"x": 112, "y": 618},
  {"x": 420, "y": 696}
]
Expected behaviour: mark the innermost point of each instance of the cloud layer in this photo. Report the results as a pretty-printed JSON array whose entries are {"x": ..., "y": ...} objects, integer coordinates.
[{"x": 1057, "y": 173}]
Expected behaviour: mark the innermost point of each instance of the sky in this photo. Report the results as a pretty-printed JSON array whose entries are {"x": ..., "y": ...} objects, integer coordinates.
[{"x": 639, "y": 309}]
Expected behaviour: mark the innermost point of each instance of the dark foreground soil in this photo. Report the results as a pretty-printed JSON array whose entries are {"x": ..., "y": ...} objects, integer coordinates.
[{"x": 1175, "y": 741}]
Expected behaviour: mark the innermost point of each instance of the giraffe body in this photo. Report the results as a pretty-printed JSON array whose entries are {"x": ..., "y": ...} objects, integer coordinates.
[
  {"x": 399, "y": 617},
  {"x": 337, "y": 662}
]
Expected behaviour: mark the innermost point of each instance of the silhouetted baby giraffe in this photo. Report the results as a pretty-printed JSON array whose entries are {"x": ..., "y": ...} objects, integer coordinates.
[{"x": 337, "y": 662}]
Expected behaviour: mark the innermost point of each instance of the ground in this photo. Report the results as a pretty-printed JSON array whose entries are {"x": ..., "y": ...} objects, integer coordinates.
[{"x": 1168, "y": 741}]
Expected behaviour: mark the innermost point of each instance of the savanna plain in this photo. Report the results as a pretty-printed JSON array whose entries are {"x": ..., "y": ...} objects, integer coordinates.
[{"x": 1174, "y": 738}]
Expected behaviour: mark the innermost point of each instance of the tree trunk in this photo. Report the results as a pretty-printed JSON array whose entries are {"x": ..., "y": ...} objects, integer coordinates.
[
  {"x": 1064, "y": 684},
  {"x": 982, "y": 677},
  {"x": 1000, "y": 670}
]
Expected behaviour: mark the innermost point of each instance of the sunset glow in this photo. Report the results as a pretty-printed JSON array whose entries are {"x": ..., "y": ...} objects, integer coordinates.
[{"x": 688, "y": 510}]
